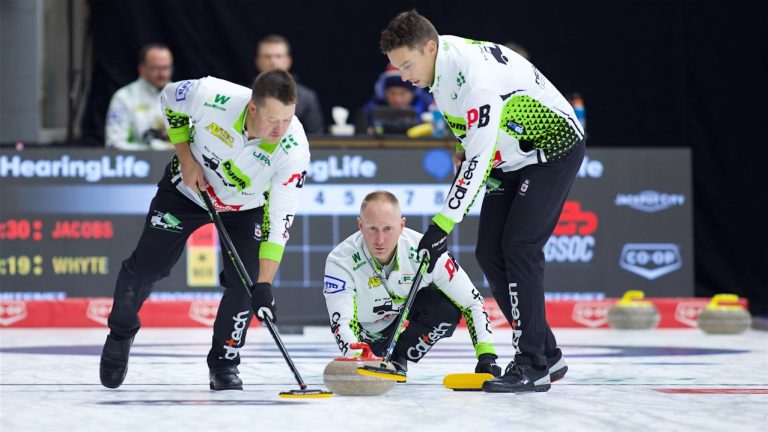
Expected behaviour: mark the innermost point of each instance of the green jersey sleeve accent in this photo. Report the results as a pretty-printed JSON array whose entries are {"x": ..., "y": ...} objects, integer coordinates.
[
  {"x": 272, "y": 251},
  {"x": 484, "y": 348},
  {"x": 354, "y": 324},
  {"x": 444, "y": 223},
  {"x": 239, "y": 124},
  {"x": 178, "y": 130}
]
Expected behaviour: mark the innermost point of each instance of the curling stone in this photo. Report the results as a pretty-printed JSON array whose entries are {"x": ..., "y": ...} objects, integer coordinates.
[
  {"x": 724, "y": 315},
  {"x": 341, "y": 377},
  {"x": 633, "y": 313}
]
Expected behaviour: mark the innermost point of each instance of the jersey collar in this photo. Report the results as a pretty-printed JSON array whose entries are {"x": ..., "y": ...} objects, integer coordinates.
[{"x": 441, "y": 61}]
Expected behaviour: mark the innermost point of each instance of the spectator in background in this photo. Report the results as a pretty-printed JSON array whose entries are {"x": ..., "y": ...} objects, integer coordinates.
[
  {"x": 134, "y": 119},
  {"x": 390, "y": 90},
  {"x": 274, "y": 52}
]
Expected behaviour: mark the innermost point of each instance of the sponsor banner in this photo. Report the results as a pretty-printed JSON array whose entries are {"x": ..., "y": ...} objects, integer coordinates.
[
  {"x": 650, "y": 201},
  {"x": 650, "y": 260},
  {"x": 93, "y": 312},
  {"x": 673, "y": 312}
]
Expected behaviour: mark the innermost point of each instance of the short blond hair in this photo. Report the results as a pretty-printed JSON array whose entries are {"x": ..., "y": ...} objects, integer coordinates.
[{"x": 382, "y": 196}]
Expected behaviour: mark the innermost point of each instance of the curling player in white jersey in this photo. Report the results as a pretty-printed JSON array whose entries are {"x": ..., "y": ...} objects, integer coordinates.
[{"x": 367, "y": 280}]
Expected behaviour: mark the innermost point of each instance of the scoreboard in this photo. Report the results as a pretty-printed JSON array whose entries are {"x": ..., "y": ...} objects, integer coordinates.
[{"x": 68, "y": 217}]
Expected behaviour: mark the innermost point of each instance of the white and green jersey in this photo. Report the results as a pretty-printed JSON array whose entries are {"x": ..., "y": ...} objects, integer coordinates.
[
  {"x": 134, "y": 119},
  {"x": 363, "y": 296},
  {"x": 504, "y": 113},
  {"x": 242, "y": 174}
]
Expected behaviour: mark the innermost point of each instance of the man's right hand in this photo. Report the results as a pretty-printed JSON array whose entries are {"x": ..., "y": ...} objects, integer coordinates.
[
  {"x": 433, "y": 244},
  {"x": 191, "y": 171},
  {"x": 193, "y": 176}
]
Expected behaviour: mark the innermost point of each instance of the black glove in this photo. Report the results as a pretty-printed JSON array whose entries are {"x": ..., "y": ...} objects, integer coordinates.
[
  {"x": 486, "y": 363},
  {"x": 262, "y": 301},
  {"x": 432, "y": 245}
]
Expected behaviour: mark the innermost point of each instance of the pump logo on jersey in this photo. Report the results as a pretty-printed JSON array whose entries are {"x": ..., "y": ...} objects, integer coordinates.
[
  {"x": 650, "y": 260},
  {"x": 572, "y": 240}
]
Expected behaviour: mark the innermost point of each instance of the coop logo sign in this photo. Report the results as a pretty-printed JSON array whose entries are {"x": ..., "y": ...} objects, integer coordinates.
[
  {"x": 650, "y": 201},
  {"x": 650, "y": 260}
]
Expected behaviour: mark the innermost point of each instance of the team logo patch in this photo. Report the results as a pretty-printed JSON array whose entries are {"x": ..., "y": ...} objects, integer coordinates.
[
  {"x": 220, "y": 133},
  {"x": 165, "y": 221},
  {"x": 181, "y": 91},
  {"x": 333, "y": 285}
]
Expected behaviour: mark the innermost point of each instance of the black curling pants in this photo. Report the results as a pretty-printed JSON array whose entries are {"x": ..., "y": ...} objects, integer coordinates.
[
  {"x": 172, "y": 218},
  {"x": 432, "y": 317},
  {"x": 516, "y": 220}
]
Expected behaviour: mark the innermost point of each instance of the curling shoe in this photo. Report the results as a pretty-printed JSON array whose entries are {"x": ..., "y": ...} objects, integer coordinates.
[
  {"x": 557, "y": 365},
  {"x": 114, "y": 361},
  {"x": 225, "y": 378},
  {"x": 519, "y": 379}
]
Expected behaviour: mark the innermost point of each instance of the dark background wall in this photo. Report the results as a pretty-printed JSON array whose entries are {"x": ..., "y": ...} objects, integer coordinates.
[{"x": 653, "y": 73}]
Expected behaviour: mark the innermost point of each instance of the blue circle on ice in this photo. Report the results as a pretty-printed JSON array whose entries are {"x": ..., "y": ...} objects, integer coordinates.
[{"x": 438, "y": 164}]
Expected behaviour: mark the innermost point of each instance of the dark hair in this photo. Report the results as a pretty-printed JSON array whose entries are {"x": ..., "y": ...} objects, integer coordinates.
[
  {"x": 273, "y": 39},
  {"x": 408, "y": 29},
  {"x": 380, "y": 195},
  {"x": 277, "y": 84},
  {"x": 145, "y": 49}
]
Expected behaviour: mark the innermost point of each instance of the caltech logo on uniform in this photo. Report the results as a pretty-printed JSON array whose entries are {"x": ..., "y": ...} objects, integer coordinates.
[
  {"x": 650, "y": 260},
  {"x": 459, "y": 192},
  {"x": 12, "y": 312},
  {"x": 650, "y": 201},
  {"x": 98, "y": 310}
]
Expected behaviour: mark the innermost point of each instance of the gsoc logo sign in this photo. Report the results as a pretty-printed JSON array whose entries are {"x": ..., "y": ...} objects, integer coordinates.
[
  {"x": 650, "y": 260},
  {"x": 572, "y": 240}
]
